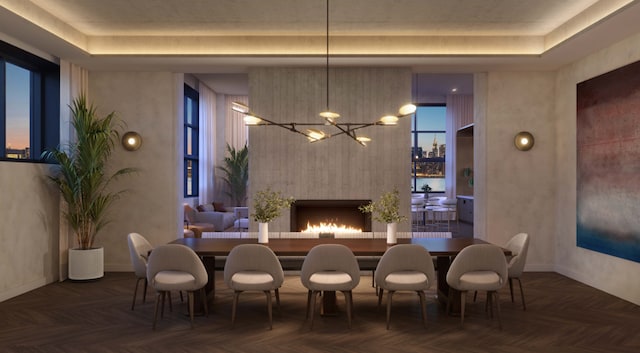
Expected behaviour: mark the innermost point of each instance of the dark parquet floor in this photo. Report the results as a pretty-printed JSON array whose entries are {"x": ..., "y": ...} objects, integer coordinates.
[{"x": 562, "y": 316}]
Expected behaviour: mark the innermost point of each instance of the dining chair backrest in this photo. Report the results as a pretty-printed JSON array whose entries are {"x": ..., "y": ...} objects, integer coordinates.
[
  {"x": 519, "y": 246},
  {"x": 176, "y": 257},
  {"x": 477, "y": 257},
  {"x": 253, "y": 257},
  {"x": 405, "y": 257},
  {"x": 330, "y": 257},
  {"x": 139, "y": 249}
]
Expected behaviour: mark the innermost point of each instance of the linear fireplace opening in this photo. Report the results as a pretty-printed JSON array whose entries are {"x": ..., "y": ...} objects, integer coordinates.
[{"x": 338, "y": 212}]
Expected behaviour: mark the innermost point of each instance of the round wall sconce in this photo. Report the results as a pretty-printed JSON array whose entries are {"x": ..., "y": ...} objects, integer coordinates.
[
  {"x": 131, "y": 141},
  {"x": 524, "y": 141}
]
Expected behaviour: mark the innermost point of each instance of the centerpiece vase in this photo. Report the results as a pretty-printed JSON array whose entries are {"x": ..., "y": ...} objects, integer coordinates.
[
  {"x": 263, "y": 233},
  {"x": 391, "y": 233}
]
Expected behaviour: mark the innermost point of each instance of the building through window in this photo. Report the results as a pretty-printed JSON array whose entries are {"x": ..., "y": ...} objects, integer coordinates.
[{"x": 428, "y": 149}]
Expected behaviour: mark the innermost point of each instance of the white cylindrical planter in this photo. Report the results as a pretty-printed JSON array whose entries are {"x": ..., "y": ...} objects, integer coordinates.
[
  {"x": 391, "y": 233},
  {"x": 86, "y": 264},
  {"x": 263, "y": 233}
]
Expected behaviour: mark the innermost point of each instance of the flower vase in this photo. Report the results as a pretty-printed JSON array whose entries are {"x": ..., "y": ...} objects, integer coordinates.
[
  {"x": 391, "y": 233},
  {"x": 263, "y": 233}
]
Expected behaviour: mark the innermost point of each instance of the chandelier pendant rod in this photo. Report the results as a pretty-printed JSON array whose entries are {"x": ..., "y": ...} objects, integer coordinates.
[{"x": 327, "y": 64}]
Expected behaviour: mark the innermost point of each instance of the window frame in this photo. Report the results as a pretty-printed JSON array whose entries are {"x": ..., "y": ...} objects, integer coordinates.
[
  {"x": 192, "y": 95},
  {"x": 44, "y": 102},
  {"x": 414, "y": 145}
]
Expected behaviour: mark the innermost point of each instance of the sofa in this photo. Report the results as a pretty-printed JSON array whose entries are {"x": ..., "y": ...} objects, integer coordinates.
[{"x": 219, "y": 217}]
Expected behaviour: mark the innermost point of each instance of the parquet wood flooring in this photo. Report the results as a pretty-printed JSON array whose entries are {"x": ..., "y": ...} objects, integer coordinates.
[{"x": 562, "y": 316}]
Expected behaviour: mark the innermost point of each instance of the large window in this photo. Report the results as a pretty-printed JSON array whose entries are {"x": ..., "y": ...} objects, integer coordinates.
[
  {"x": 428, "y": 149},
  {"x": 29, "y": 104},
  {"x": 190, "y": 142}
]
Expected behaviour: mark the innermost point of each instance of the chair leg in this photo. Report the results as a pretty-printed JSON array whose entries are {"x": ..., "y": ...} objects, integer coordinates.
[
  {"x": 524, "y": 306},
  {"x": 190, "y": 300},
  {"x": 155, "y": 312},
  {"x": 314, "y": 294},
  {"x": 203, "y": 295},
  {"x": 475, "y": 295},
  {"x": 511, "y": 288},
  {"x": 423, "y": 304},
  {"x": 488, "y": 305},
  {"x": 463, "y": 299},
  {"x": 277, "y": 299},
  {"x": 349, "y": 300},
  {"x": 170, "y": 305},
  {"x": 389, "y": 295},
  {"x": 497, "y": 300},
  {"x": 308, "y": 303},
  {"x": 144, "y": 292},
  {"x": 164, "y": 295},
  {"x": 449, "y": 295},
  {"x": 380, "y": 293},
  {"x": 236, "y": 295},
  {"x": 269, "y": 309},
  {"x": 181, "y": 297},
  {"x": 135, "y": 294}
]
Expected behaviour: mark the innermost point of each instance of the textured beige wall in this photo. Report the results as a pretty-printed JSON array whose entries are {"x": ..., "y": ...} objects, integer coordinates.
[
  {"x": 28, "y": 228},
  {"x": 518, "y": 188},
  {"x": 150, "y": 103},
  {"x": 608, "y": 273},
  {"x": 337, "y": 168}
]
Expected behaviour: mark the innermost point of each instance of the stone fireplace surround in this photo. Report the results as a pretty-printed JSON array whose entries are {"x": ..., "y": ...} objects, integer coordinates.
[{"x": 341, "y": 212}]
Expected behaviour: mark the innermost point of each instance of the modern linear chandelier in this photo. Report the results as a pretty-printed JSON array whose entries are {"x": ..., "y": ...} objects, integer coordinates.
[{"x": 329, "y": 117}]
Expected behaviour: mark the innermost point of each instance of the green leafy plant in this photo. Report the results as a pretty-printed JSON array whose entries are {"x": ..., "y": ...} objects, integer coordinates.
[
  {"x": 81, "y": 171},
  {"x": 386, "y": 209},
  {"x": 236, "y": 170},
  {"x": 268, "y": 205}
]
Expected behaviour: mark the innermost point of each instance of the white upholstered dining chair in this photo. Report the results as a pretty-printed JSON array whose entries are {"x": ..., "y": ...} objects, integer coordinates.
[
  {"x": 253, "y": 267},
  {"x": 330, "y": 267},
  {"x": 176, "y": 267},
  {"x": 405, "y": 267},
  {"x": 519, "y": 246},
  {"x": 139, "y": 249},
  {"x": 478, "y": 267}
]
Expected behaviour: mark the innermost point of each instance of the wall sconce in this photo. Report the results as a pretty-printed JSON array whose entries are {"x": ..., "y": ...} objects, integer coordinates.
[
  {"x": 524, "y": 141},
  {"x": 131, "y": 141}
]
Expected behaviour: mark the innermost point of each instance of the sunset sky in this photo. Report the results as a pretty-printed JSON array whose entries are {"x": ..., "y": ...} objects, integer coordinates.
[{"x": 17, "y": 110}]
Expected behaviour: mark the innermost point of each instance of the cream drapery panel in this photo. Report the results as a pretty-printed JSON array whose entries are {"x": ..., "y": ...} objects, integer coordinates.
[
  {"x": 459, "y": 114},
  {"x": 207, "y": 125},
  {"x": 74, "y": 80},
  {"x": 236, "y": 132}
]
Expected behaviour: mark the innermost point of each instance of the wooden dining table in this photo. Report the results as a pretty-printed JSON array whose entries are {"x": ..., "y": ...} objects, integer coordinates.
[{"x": 443, "y": 249}]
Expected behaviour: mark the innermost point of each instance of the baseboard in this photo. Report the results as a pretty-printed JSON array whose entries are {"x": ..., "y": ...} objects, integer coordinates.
[{"x": 27, "y": 287}]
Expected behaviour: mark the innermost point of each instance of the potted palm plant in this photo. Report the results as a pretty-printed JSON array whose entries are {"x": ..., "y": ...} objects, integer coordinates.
[
  {"x": 268, "y": 205},
  {"x": 81, "y": 176},
  {"x": 236, "y": 170},
  {"x": 386, "y": 210}
]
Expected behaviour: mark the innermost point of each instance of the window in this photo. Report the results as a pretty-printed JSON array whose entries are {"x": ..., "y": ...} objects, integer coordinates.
[
  {"x": 428, "y": 150},
  {"x": 29, "y": 104},
  {"x": 190, "y": 142}
]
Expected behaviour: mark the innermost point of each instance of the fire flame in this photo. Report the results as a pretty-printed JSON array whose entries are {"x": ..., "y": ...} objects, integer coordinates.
[{"x": 330, "y": 228}]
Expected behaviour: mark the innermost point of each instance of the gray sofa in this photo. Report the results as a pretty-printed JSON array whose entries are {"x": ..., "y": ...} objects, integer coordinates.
[{"x": 221, "y": 220}]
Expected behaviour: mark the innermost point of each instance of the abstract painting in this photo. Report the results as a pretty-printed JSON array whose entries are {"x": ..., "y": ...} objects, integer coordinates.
[{"x": 608, "y": 163}]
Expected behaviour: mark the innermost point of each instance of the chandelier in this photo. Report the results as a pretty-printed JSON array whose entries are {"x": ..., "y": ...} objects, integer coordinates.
[{"x": 311, "y": 130}]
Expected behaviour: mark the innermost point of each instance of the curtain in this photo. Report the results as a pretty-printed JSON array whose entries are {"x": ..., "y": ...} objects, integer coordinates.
[
  {"x": 236, "y": 131},
  {"x": 459, "y": 111},
  {"x": 74, "y": 80},
  {"x": 207, "y": 124}
]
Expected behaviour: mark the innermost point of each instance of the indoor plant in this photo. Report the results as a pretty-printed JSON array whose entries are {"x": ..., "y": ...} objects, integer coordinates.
[
  {"x": 236, "y": 170},
  {"x": 386, "y": 210},
  {"x": 81, "y": 176},
  {"x": 268, "y": 205}
]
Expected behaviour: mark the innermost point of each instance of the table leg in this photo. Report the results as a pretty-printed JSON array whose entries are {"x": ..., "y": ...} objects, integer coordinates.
[
  {"x": 443, "y": 263},
  {"x": 329, "y": 304}
]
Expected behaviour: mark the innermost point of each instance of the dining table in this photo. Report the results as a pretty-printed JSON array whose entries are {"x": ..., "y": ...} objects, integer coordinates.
[{"x": 443, "y": 249}]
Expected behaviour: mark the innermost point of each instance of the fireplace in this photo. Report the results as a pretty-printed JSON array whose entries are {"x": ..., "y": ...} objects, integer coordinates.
[{"x": 339, "y": 212}]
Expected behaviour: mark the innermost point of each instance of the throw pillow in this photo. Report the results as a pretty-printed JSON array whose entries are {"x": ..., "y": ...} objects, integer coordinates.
[
  {"x": 207, "y": 207},
  {"x": 200, "y": 208},
  {"x": 219, "y": 207}
]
